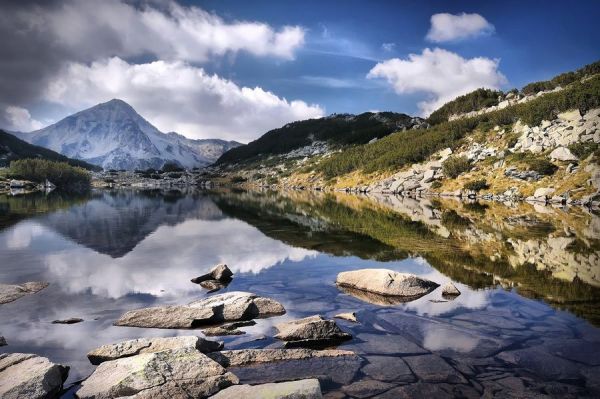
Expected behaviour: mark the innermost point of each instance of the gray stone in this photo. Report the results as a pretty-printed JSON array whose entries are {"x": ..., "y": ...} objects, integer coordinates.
[
  {"x": 244, "y": 357},
  {"x": 386, "y": 282},
  {"x": 72, "y": 320},
  {"x": 228, "y": 329},
  {"x": 150, "y": 345},
  {"x": 388, "y": 344},
  {"x": 563, "y": 154},
  {"x": 28, "y": 376},
  {"x": 432, "y": 368},
  {"x": 310, "y": 330},
  {"x": 12, "y": 292},
  {"x": 389, "y": 369},
  {"x": 302, "y": 389},
  {"x": 347, "y": 316},
  {"x": 231, "y": 306},
  {"x": 179, "y": 373},
  {"x": 424, "y": 390},
  {"x": 450, "y": 290},
  {"x": 220, "y": 273},
  {"x": 366, "y": 388}
]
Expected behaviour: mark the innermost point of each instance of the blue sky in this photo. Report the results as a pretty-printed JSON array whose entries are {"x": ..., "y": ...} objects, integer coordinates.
[{"x": 234, "y": 69}]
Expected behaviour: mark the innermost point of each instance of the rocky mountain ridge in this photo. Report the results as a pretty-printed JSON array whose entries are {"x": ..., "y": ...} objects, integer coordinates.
[{"x": 113, "y": 135}]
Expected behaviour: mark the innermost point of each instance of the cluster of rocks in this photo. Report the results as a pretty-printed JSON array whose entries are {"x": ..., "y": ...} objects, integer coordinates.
[
  {"x": 24, "y": 375},
  {"x": 527, "y": 175},
  {"x": 228, "y": 307},
  {"x": 416, "y": 179},
  {"x": 311, "y": 150},
  {"x": 151, "y": 180},
  {"x": 569, "y": 128},
  {"x": 310, "y": 331},
  {"x": 20, "y": 187}
]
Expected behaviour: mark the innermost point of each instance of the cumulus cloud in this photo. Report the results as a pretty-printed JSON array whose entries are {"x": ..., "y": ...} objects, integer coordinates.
[
  {"x": 44, "y": 36},
  {"x": 449, "y": 27},
  {"x": 19, "y": 119},
  {"x": 442, "y": 74},
  {"x": 178, "y": 96}
]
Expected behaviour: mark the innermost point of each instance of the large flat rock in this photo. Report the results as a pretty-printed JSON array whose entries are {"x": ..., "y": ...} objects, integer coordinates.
[
  {"x": 231, "y": 306},
  {"x": 301, "y": 389},
  {"x": 12, "y": 292},
  {"x": 243, "y": 357},
  {"x": 387, "y": 283},
  {"x": 28, "y": 376},
  {"x": 432, "y": 368},
  {"x": 150, "y": 345},
  {"x": 175, "y": 373}
]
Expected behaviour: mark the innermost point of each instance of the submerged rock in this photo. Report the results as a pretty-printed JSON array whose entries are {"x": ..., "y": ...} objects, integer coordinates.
[
  {"x": 347, "y": 316},
  {"x": 302, "y": 389},
  {"x": 384, "y": 282},
  {"x": 30, "y": 376},
  {"x": 231, "y": 306},
  {"x": 150, "y": 345},
  {"x": 243, "y": 357},
  {"x": 12, "y": 292},
  {"x": 310, "y": 331},
  {"x": 72, "y": 320},
  {"x": 450, "y": 291},
  {"x": 183, "y": 372}
]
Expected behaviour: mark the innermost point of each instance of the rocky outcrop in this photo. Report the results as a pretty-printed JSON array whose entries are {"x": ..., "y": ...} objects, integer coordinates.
[
  {"x": 231, "y": 306},
  {"x": 302, "y": 389},
  {"x": 243, "y": 357},
  {"x": 30, "y": 376},
  {"x": 12, "y": 292},
  {"x": 150, "y": 345},
  {"x": 183, "y": 372},
  {"x": 216, "y": 279},
  {"x": 386, "y": 282},
  {"x": 309, "y": 331},
  {"x": 450, "y": 291},
  {"x": 3, "y": 341},
  {"x": 569, "y": 128}
]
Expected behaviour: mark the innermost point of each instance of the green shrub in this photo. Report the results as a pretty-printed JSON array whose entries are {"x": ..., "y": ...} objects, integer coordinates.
[
  {"x": 175, "y": 175},
  {"x": 476, "y": 185},
  {"x": 436, "y": 184},
  {"x": 238, "y": 179},
  {"x": 583, "y": 150},
  {"x": 171, "y": 167},
  {"x": 455, "y": 166},
  {"x": 257, "y": 176},
  {"x": 542, "y": 166},
  {"x": 61, "y": 174},
  {"x": 473, "y": 101}
]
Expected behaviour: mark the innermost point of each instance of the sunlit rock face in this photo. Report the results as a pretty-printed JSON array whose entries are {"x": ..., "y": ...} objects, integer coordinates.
[{"x": 113, "y": 135}]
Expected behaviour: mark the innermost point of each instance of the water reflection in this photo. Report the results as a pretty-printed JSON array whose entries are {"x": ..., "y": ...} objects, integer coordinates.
[{"x": 108, "y": 252}]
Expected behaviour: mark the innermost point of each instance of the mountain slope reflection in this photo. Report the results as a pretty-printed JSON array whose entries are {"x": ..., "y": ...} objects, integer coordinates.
[{"x": 113, "y": 223}]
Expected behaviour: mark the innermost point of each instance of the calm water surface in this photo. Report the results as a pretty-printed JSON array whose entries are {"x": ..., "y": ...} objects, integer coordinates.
[{"x": 525, "y": 324}]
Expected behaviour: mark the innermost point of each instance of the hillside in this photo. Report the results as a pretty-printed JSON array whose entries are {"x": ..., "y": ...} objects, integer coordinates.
[
  {"x": 542, "y": 145},
  {"x": 316, "y": 136},
  {"x": 113, "y": 135},
  {"x": 13, "y": 148}
]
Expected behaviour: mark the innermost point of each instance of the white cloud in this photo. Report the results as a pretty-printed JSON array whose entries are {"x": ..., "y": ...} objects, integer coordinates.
[
  {"x": 113, "y": 27},
  {"x": 20, "y": 119},
  {"x": 449, "y": 27},
  {"x": 176, "y": 96},
  {"x": 440, "y": 73}
]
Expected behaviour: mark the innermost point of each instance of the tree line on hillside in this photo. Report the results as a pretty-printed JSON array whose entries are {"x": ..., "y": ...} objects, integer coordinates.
[{"x": 413, "y": 146}]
